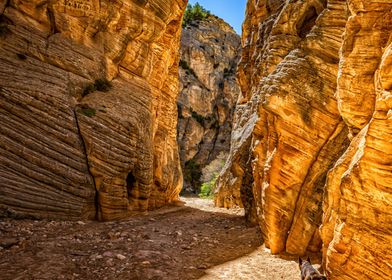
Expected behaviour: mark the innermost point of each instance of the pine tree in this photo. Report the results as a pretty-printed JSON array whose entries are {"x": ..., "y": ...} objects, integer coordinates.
[{"x": 196, "y": 12}]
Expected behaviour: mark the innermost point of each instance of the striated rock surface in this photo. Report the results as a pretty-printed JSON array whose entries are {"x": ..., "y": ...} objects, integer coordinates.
[
  {"x": 288, "y": 131},
  {"x": 357, "y": 221},
  {"x": 311, "y": 141},
  {"x": 74, "y": 145},
  {"x": 210, "y": 50}
]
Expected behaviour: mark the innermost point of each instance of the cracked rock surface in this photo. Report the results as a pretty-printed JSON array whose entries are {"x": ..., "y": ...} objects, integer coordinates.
[{"x": 88, "y": 107}]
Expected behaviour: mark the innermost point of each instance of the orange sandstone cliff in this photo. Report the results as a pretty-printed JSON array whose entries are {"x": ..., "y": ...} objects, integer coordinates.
[
  {"x": 311, "y": 142},
  {"x": 88, "y": 107},
  {"x": 357, "y": 216},
  {"x": 88, "y": 120}
]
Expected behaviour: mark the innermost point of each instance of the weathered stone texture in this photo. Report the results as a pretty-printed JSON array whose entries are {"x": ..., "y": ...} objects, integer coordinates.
[
  {"x": 288, "y": 118},
  {"x": 65, "y": 154},
  {"x": 313, "y": 128},
  {"x": 210, "y": 51},
  {"x": 357, "y": 221}
]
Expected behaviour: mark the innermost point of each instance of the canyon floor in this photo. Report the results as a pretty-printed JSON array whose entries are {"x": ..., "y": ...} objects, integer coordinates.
[{"x": 189, "y": 241}]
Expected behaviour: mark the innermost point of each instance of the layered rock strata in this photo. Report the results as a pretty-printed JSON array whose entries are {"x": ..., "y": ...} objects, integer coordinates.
[
  {"x": 357, "y": 219},
  {"x": 289, "y": 131},
  {"x": 88, "y": 107},
  {"x": 210, "y": 51},
  {"x": 311, "y": 139}
]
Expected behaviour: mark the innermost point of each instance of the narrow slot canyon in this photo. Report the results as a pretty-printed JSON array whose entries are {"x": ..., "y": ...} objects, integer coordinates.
[{"x": 163, "y": 139}]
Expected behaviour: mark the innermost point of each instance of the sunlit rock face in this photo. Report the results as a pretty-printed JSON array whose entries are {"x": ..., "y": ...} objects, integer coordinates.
[
  {"x": 288, "y": 132},
  {"x": 210, "y": 51},
  {"x": 311, "y": 141},
  {"x": 69, "y": 151},
  {"x": 357, "y": 221}
]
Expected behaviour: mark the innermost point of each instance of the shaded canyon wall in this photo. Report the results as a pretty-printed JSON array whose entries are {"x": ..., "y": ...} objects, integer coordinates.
[
  {"x": 88, "y": 107},
  {"x": 210, "y": 51},
  {"x": 311, "y": 135}
]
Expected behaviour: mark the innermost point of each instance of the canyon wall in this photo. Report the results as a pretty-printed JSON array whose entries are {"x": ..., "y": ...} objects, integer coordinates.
[
  {"x": 311, "y": 134},
  {"x": 210, "y": 51},
  {"x": 288, "y": 131},
  {"x": 88, "y": 107},
  {"x": 357, "y": 217}
]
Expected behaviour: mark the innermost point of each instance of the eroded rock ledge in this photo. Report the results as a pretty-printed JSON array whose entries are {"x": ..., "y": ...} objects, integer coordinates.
[
  {"x": 310, "y": 140},
  {"x": 69, "y": 150}
]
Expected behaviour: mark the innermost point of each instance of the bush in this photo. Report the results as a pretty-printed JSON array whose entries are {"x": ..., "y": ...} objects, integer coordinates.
[
  {"x": 102, "y": 85},
  {"x": 207, "y": 188},
  {"x": 99, "y": 84},
  {"x": 87, "y": 111},
  {"x": 192, "y": 13},
  {"x": 88, "y": 89}
]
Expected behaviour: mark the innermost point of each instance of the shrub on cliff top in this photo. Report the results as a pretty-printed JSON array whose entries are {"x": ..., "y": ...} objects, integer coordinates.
[{"x": 192, "y": 13}]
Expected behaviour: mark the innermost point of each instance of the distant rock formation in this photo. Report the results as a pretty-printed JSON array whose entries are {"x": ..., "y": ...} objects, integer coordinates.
[
  {"x": 88, "y": 119},
  {"x": 311, "y": 135},
  {"x": 210, "y": 51}
]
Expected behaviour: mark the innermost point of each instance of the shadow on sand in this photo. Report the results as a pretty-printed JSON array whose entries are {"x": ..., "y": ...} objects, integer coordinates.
[{"x": 172, "y": 243}]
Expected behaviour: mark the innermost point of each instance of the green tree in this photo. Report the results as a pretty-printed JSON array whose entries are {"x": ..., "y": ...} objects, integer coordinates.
[
  {"x": 196, "y": 12},
  {"x": 207, "y": 188}
]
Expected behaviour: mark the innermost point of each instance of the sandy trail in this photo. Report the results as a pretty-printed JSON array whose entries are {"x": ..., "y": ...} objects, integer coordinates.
[{"x": 194, "y": 241}]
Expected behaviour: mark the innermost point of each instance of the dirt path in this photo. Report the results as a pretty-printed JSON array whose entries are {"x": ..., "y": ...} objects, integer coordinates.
[{"x": 194, "y": 241}]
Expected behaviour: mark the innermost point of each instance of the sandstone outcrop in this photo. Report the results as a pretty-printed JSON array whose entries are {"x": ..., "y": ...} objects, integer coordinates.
[
  {"x": 88, "y": 107},
  {"x": 311, "y": 139},
  {"x": 288, "y": 129},
  {"x": 210, "y": 50},
  {"x": 357, "y": 221}
]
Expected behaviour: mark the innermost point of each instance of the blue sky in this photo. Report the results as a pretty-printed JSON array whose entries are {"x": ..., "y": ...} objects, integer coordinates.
[{"x": 232, "y": 11}]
